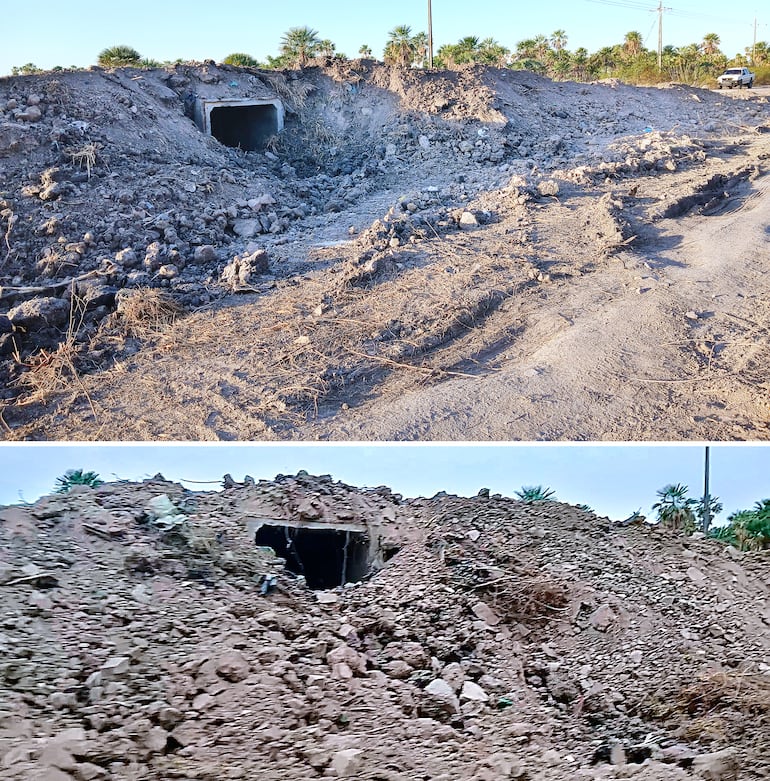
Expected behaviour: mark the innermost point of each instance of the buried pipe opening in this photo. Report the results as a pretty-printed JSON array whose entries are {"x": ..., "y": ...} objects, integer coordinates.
[
  {"x": 241, "y": 124},
  {"x": 327, "y": 558}
]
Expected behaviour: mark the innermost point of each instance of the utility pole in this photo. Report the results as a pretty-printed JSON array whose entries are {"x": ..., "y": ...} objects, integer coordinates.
[
  {"x": 660, "y": 35},
  {"x": 430, "y": 35},
  {"x": 754, "y": 45},
  {"x": 706, "y": 496}
]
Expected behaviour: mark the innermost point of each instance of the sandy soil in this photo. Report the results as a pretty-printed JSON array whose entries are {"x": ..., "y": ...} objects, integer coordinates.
[{"x": 530, "y": 262}]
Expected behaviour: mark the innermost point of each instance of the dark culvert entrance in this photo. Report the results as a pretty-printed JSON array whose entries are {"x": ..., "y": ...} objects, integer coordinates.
[
  {"x": 327, "y": 557},
  {"x": 244, "y": 127}
]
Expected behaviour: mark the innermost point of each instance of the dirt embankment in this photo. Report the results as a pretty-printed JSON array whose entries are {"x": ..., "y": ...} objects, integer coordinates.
[
  {"x": 499, "y": 641},
  {"x": 475, "y": 255}
]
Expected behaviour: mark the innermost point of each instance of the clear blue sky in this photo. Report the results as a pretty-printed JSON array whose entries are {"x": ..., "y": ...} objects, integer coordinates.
[
  {"x": 52, "y": 32},
  {"x": 613, "y": 479}
]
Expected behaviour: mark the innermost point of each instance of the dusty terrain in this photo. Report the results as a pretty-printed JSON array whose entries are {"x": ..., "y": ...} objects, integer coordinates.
[
  {"x": 474, "y": 255},
  {"x": 498, "y": 641}
]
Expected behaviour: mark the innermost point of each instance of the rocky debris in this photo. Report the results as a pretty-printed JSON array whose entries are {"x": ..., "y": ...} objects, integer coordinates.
[
  {"x": 104, "y": 166},
  {"x": 241, "y": 271},
  {"x": 134, "y": 647}
]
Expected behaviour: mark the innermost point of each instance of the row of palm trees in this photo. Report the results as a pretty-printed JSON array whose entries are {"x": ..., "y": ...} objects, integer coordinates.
[{"x": 548, "y": 55}]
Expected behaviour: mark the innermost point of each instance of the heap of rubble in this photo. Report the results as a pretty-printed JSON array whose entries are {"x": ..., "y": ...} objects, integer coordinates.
[{"x": 145, "y": 636}]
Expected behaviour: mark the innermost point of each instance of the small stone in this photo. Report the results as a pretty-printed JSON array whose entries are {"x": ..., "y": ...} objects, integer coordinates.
[
  {"x": 602, "y": 618},
  {"x": 347, "y": 763},
  {"x": 205, "y": 254},
  {"x": 468, "y": 220},
  {"x": 203, "y": 701},
  {"x": 617, "y": 754},
  {"x": 454, "y": 675},
  {"x": 30, "y": 114},
  {"x": 156, "y": 739},
  {"x": 115, "y": 665},
  {"x": 39, "y": 313},
  {"x": 127, "y": 258},
  {"x": 473, "y": 692},
  {"x": 168, "y": 271},
  {"x": 691, "y": 315},
  {"x": 548, "y": 188},
  {"x": 424, "y": 142},
  {"x": 486, "y": 614},
  {"x": 440, "y": 697},
  {"x": 717, "y": 766}
]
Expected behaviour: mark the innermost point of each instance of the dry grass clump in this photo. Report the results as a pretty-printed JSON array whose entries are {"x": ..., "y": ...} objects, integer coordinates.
[
  {"x": 526, "y": 599},
  {"x": 293, "y": 93},
  {"x": 747, "y": 693},
  {"x": 52, "y": 371},
  {"x": 85, "y": 157},
  {"x": 145, "y": 312}
]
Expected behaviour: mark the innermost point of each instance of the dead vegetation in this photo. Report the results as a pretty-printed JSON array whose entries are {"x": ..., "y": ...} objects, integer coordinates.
[{"x": 146, "y": 312}]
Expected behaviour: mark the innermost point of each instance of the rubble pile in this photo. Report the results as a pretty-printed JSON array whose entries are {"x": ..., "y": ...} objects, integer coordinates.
[
  {"x": 145, "y": 636},
  {"x": 108, "y": 184}
]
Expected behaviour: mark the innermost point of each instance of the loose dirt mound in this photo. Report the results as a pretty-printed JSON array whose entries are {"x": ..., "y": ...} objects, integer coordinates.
[
  {"x": 409, "y": 238},
  {"x": 501, "y": 641}
]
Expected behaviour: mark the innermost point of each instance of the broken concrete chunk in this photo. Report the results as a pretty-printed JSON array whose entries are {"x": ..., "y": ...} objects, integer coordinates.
[
  {"x": 239, "y": 273},
  {"x": 486, "y": 614}
]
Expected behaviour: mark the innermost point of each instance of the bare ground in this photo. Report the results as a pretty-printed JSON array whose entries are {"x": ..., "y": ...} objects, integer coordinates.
[{"x": 628, "y": 306}]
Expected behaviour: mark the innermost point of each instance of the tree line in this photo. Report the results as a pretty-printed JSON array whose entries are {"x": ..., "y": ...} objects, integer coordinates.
[{"x": 629, "y": 60}]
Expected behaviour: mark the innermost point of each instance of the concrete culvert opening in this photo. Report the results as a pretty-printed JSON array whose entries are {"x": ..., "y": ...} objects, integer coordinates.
[
  {"x": 326, "y": 557},
  {"x": 242, "y": 124}
]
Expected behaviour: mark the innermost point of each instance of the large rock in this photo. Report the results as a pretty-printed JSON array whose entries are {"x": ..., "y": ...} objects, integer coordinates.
[
  {"x": 439, "y": 700},
  {"x": 233, "y": 666},
  {"x": 717, "y": 766},
  {"x": 239, "y": 273},
  {"x": 40, "y": 313}
]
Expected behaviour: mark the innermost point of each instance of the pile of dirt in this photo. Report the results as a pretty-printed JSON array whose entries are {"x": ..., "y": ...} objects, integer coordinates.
[
  {"x": 404, "y": 227},
  {"x": 144, "y": 636}
]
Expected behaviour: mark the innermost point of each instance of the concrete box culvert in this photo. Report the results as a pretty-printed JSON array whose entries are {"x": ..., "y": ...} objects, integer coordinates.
[
  {"x": 326, "y": 555},
  {"x": 241, "y": 123}
]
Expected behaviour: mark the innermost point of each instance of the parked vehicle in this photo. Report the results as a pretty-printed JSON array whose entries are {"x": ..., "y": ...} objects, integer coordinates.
[{"x": 736, "y": 77}]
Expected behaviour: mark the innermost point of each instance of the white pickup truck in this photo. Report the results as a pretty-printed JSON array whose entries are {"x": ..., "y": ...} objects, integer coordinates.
[{"x": 736, "y": 77}]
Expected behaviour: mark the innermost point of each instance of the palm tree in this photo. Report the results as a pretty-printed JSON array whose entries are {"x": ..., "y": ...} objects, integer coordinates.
[
  {"x": 710, "y": 44},
  {"x": 535, "y": 493},
  {"x": 420, "y": 44},
  {"x": 299, "y": 45},
  {"x": 326, "y": 48},
  {"x": 492, "y": 52},
  {"x": 675, "y": 508},
  {"x": 526, "y": 49},
  {"x": 365, "y": 51},
  {"x": 558, "y": 39},
  {"x": 632, "y": 43},
  {"x": 541, "y": 46},
  {"x": 73, "y": 477},
  {"x": 118, "y": 57},
  {"x": 399, "y": 49}
]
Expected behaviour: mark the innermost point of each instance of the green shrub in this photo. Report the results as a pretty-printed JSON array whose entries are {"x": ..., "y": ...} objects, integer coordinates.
[
  {"x": 241, "y": 60},
  {"x": 119, "y": 56}
]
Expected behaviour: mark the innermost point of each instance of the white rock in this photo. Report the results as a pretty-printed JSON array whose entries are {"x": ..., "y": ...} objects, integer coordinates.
[
  {"x": 347, "y": 763},
  {"x": 473, "y": 692}
]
